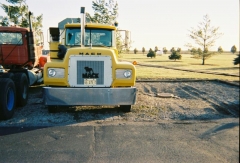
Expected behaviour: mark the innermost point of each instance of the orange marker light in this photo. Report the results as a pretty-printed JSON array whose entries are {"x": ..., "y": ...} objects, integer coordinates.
[
  {"x": 134, "y": 63},
  {"x": 42, "y": 61}
]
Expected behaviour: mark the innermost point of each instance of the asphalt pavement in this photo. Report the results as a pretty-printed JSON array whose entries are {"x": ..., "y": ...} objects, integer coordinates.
[{"x": 183, "y": 141}]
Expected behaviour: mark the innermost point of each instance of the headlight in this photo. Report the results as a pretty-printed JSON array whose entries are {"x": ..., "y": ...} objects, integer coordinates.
[
  {"x": 56, "y": 72},
  {"x": 123, "y": 73},
  {"x": 127, "y": 74},
  {"x": 51, "y": 72}
]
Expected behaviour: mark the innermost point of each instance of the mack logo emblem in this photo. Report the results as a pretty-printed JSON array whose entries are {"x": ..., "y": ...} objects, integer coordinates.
[
  {"x": 88, "y": 53},
  {"x": 89, "y": 73}
]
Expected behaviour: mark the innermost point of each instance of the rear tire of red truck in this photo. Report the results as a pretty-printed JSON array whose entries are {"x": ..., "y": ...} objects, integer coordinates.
[
  {"x": 8, "y": 75},
  {"x": 22, "y": 88},
  {"x": 7, "y": 98}
]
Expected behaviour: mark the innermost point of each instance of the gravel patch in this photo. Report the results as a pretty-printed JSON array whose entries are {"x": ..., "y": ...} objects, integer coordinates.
[{"x": 189, "y": 101}]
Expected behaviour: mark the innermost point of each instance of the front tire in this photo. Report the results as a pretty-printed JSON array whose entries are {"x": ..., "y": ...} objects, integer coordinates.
[
  {"x": 52, "y": 108},
  {"x": 7, "y": 98},
  {"x": 22, "y": 85},
  {"x": 125, "y": 108}
]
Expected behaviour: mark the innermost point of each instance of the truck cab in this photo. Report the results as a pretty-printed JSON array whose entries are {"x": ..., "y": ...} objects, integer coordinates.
[
  {"x": 21, "y": 63},
  {"x": 85, "y": 69},
  {"x": 17, "y": 48}
]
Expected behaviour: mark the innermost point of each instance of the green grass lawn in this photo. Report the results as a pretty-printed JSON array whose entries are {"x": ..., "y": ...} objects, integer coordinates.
[{"x": 222, "y": 63}]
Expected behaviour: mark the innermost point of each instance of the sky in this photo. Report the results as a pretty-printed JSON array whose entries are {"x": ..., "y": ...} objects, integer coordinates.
[{"x": 161, "y": 23}]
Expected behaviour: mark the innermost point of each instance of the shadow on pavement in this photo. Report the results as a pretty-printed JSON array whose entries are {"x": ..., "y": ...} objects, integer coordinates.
[{"x": 14, "y": 130}]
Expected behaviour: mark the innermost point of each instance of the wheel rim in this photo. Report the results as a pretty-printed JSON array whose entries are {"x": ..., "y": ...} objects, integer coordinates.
[{"x": 10, "y": 99}]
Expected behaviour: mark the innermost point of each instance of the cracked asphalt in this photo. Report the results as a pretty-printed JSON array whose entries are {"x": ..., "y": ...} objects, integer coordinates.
[{"x": 214, "y": 142}]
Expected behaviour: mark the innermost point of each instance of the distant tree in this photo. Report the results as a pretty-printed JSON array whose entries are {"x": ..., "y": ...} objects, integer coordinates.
[
  {"x": 199, "y": 53},
  {"x": 135, "y": 51},
  {"x": 172, "y": 50},
  {"x": 156, "y": 49},
  {"x": 237, "y": 60},
  {"x": 205, "y": 37},
  {"x": 175, "y": 55},
  {"x": 127, "y": 50},
  {"x": 165, "y": 50},
  {"x": 151, "y": 53},
  {"x": 143, "y": 50},
  {"x": 179, "y": 50},
  {"x": 37, "y": 25},
  {"x": 193, "y": 51},
  {"x": 199, "y": 50},
  {"x": 220, "y": 50},
  {"x": 120, "y": 43},
  {"x": 233, "y": 49}
]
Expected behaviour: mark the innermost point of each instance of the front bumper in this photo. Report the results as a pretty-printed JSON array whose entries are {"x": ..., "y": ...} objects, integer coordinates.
[{"x": 60, "y": 96}]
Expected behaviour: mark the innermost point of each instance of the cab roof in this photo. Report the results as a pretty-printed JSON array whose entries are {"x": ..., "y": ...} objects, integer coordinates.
[
  {"x": 91, "y": 25},
  {"x": 13, "y": 29}
]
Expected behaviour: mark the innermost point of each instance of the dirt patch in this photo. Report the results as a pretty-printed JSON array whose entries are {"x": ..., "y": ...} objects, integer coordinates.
[{"x": 189, "y": 101}]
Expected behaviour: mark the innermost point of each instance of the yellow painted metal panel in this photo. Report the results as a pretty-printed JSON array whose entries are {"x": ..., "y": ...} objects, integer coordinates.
[
  {"x": 53, "y": 49},
  {"x": 83, "y": 51}
]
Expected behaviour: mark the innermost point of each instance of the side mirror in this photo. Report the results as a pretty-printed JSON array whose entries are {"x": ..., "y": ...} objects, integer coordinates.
[{"x": 54, "y": 34}]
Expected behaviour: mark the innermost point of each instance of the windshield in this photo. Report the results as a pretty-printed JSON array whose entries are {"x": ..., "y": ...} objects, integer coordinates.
[
  {"x": 10, "y": 38},
  {"x": 96, "y": 37}
]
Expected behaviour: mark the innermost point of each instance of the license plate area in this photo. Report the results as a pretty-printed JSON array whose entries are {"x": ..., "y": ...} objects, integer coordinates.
[{"x": 90, "y": 81}]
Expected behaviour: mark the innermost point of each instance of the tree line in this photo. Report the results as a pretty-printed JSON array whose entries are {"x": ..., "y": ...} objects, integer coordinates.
[
  {"x": 175, "y": 54},
  {"x": 204, "y": 36},
  {"x": 193, "y": 50}
]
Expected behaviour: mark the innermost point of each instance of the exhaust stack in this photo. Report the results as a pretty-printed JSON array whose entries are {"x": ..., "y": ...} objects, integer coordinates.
[
  {"x": 30, "y": 21},
  {"x": 33, "y": 57},
  {"x": 83, "y": 26}
]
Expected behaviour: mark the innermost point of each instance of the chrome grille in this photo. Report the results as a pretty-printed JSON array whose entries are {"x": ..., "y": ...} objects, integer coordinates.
[{"x": 90, "y": 69}]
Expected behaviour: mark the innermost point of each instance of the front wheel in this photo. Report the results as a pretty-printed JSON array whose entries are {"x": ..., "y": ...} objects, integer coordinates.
[
  {"x": 125, "y": 108},
  {"x": 52, "y": 108},
  {"x": 7, "y": 98}
]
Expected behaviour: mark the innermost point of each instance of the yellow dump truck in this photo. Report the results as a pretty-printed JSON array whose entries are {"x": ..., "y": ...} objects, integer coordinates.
[{"x": 85, "y": 69}]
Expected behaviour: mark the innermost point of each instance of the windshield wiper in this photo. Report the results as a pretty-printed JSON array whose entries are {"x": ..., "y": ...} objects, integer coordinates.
[{"x": 101, "y": 45}]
